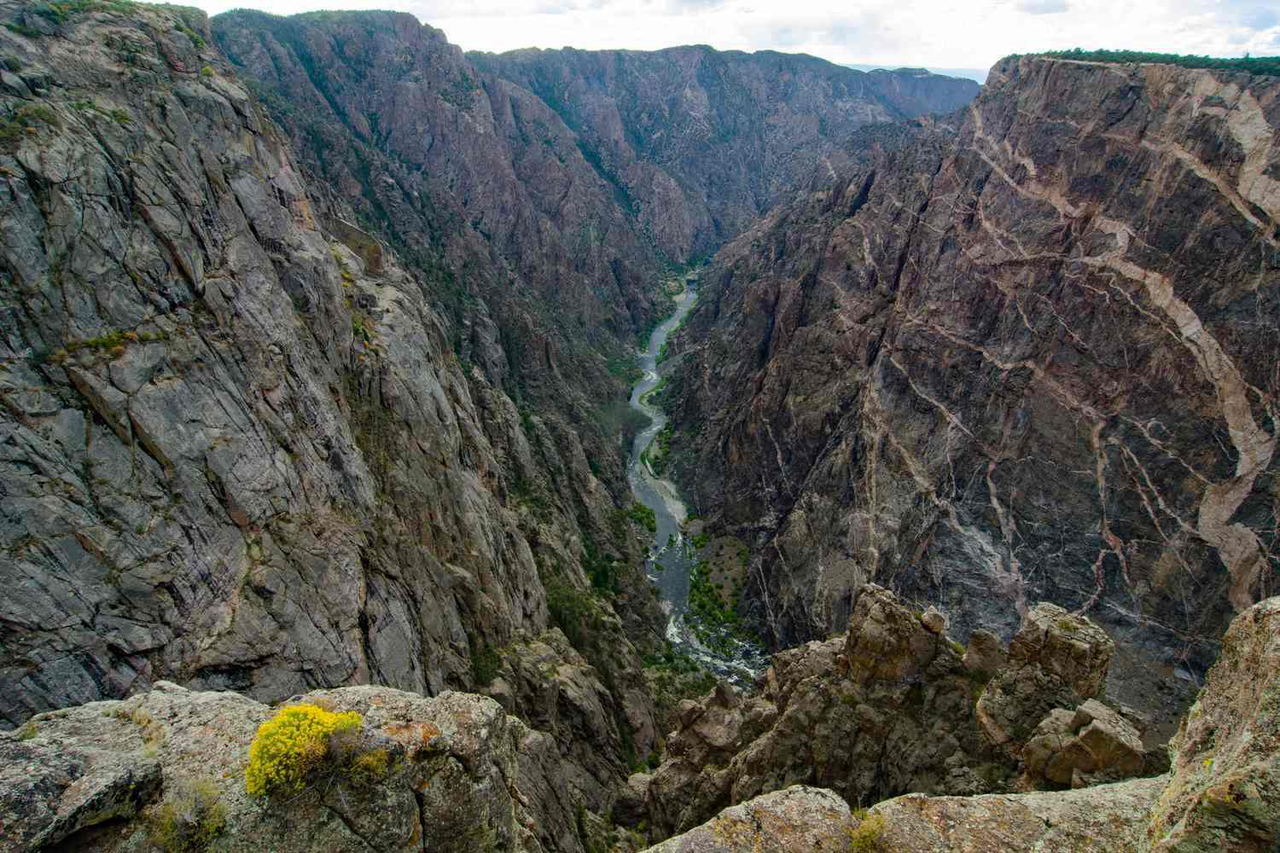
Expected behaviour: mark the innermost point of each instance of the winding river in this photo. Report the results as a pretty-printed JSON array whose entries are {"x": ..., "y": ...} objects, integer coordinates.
[{"x": 671, "y": 557}]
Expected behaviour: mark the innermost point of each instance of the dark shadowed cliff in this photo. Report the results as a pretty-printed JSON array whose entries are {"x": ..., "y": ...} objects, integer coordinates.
[{"x": 699, "y": 142}]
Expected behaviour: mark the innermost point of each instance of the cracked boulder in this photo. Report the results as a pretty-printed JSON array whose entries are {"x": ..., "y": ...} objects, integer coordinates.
[
  {"x": 1092, "y": 744},
  {"x": 1055, "y": 660}
]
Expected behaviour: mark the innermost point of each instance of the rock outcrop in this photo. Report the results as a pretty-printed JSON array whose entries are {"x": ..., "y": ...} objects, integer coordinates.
[
  {"x": 1027, "y": 355},
  {"x": 1223, "y": 793},
  {"x": 461, "y": 776},
  {"x": 1221, "y": 796},
  {"x": 1055, "y": 660},
  {"x": 891, "y": 708},
  {"x": 1224, "y": 789}
]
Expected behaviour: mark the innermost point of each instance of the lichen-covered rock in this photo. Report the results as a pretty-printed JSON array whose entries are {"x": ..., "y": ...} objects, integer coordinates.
[
  {"x": 461, "y": 775},
  {"x": 799, "y": 819},
  {"x": 1224, "y": 788},
  {"x": 1092, "y": 744},
  {"x": 1101, "y": 819},
  {"x": 1055, "y": 660},
  {"x": 52, "y": 789}
]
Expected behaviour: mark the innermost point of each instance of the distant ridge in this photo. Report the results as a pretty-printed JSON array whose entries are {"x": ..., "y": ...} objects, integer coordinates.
[{"x": 979, "y": 74}]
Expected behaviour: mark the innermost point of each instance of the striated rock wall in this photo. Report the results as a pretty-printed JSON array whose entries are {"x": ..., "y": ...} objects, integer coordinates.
[{"x": 1031, "y": 360}]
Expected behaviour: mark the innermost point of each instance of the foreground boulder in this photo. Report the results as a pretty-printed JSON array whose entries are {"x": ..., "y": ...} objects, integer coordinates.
[
  {"x": 459, "y": 775},
  {"x": 802, "y": 819},
  {"x": 1100, "y": 819}
]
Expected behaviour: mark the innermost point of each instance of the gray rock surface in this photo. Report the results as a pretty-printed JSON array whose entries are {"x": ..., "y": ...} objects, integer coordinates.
[{"x": 799, "y": 818}]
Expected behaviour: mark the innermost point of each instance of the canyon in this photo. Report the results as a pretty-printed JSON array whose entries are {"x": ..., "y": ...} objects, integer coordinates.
[{"x": 318, "y": 384}]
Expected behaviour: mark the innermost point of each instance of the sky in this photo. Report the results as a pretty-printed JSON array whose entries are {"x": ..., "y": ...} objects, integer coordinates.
[{"x": 936, "y": 34}]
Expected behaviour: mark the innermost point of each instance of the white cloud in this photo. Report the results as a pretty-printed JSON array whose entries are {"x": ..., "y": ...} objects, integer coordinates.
[{"x": 932, "y": 33}]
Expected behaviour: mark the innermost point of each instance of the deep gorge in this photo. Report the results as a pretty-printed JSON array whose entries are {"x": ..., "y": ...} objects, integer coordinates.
[{"x": 319, "y": 383}]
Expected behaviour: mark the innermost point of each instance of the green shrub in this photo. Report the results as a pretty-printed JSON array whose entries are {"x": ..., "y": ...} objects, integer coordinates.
[
  {"x": 197, "y": 41},
  {"x": 25, "y": 119},
  {"x": 291, "y": 745},
  {"x": 190, "y": 819},
  {"x": 370, "y": 768},
  {"x": 865, "y": 835},
  {"x": 572, "y": 611},
  {"x": 485, "y": 663},
  {"x": 643, "y": 516}
]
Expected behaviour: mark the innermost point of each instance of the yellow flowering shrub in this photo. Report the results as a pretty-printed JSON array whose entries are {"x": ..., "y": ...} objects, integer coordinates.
[{"x": 290, "y": 745}]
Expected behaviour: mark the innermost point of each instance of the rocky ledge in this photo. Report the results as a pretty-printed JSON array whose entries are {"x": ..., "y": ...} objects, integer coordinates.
[
  {"x": 896, "y": 706},
  {"x": 461, "y": 775},
  {"x": 1223, "y": 793}
]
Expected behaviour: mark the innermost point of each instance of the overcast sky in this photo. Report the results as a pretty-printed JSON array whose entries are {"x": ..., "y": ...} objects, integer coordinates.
[{"x": 930, "y": 33}]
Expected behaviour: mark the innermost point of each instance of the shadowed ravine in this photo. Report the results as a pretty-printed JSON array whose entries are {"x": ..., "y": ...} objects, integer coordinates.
[{"x": 672, "y": 556}]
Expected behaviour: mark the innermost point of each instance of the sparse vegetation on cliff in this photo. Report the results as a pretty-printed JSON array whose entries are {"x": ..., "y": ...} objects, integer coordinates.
[
  {"x": 1252, "y": 64},
  {"x": 189, "y": 819}
]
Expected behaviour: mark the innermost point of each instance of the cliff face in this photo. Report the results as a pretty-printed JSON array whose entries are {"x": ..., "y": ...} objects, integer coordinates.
[
  {"x": 699, "y": 142},
  {"x": 542, "y": 278},
  {"x": 239, "y": 451},
  {"x": 1033, "y": 361}
]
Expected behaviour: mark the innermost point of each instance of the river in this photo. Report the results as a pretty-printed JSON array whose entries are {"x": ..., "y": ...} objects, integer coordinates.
[{"x": 672, "y": 558}]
